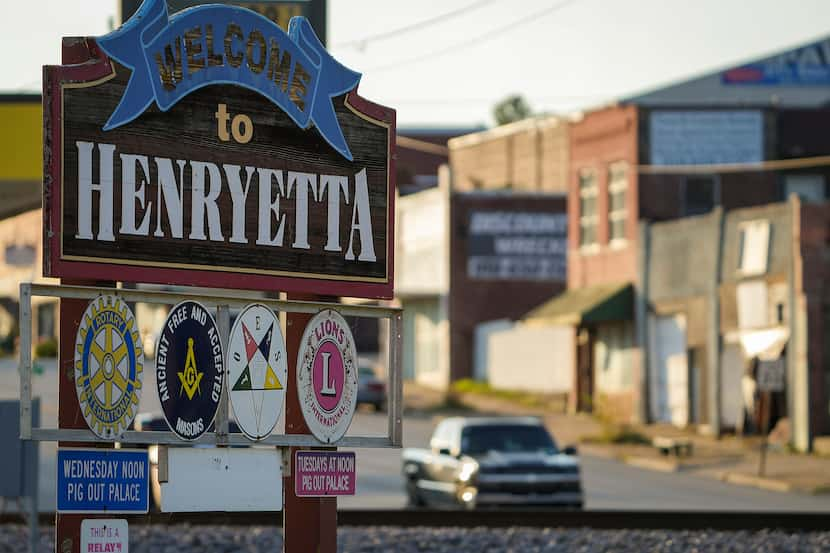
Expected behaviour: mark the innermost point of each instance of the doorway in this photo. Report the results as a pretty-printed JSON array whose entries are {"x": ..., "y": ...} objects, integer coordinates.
[{"x": 585, "y": 339}]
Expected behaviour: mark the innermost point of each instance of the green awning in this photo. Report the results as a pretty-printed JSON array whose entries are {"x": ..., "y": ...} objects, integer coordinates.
[{"x": 580, "y": 306}]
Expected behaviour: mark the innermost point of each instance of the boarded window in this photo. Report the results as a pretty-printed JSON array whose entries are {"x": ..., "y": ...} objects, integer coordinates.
[{"x": 753, "y": 247}]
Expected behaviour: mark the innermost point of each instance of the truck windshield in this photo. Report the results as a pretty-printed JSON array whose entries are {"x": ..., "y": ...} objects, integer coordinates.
[{"x": 477, "y": 440}]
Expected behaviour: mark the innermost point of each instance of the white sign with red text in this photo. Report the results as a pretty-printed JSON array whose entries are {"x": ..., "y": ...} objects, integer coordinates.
[
  {"x": 327, "y": 376},
  {"x": 104, "y": 535}
]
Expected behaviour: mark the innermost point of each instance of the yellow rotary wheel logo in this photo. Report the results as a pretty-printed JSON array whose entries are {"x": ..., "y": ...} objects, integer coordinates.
[{"x": 108, "y": 366}]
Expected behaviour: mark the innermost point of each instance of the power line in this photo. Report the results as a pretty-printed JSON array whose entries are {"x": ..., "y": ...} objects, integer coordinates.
[
  {"x": 360, "y": 43},
  {"x": 477, "y": 39},
  {"x": 467, "y": 101}
]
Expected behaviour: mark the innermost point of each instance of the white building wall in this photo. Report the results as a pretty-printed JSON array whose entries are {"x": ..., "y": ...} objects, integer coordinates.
[
  {"x": 613, "y": 349},
  {"x": 422, "y": 282},
  {"x": 532, "y": 358}
]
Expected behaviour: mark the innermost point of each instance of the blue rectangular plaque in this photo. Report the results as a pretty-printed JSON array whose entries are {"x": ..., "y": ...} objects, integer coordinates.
[{"x": 103, "y": 481}]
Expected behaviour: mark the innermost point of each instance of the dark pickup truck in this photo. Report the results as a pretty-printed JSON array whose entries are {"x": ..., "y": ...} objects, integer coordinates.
[{"x": 483, "y": 462}]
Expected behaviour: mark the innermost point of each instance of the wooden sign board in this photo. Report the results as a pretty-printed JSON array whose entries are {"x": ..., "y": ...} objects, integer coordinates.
[{"x": 211, "y": 148}]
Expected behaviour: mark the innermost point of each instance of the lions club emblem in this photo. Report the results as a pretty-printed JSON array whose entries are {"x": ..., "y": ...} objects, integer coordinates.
[{"x": 108, "y": 366}]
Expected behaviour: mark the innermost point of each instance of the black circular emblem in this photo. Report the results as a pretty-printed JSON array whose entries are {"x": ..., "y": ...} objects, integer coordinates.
[{"x": 189, "y": 369}]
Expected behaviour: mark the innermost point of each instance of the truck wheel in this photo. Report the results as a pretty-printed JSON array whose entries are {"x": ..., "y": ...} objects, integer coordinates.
[{"x": 413, "y": 498}]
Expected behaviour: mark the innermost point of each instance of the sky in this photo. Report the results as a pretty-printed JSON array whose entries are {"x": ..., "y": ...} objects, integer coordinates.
[{"x": 561, "y": 55}]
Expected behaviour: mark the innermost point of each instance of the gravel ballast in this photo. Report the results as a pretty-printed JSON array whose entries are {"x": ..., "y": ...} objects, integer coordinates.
[{"x": 379, "y": 539}]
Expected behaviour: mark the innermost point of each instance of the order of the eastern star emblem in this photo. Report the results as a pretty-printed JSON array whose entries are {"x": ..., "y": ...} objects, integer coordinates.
[
  {"x": 108, "y": 366},
  {"x": 257, "y": 370}
]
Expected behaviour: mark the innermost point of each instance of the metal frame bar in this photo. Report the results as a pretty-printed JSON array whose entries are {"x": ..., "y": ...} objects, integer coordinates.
[
  {"x": 25, "y": 368},
  {"x": 223, "y": 303}
]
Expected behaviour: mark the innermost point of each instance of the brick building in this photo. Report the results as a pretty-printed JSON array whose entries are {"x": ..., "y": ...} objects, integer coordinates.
[
  {"x": 526, "y": 156},
  {"x": 679, "y": 151},
  {"x": 486, "y": 245}
]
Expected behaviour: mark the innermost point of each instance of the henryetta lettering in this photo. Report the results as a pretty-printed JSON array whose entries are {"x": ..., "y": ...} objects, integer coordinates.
[
  {"x": 208, "y": 182},
  {"x": 205, "y": 149}
]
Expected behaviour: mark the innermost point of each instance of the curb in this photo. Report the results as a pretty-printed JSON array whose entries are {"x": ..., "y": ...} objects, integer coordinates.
[
  {"x": 652, "y": 464},
  {"x": 769, "y": 484}
]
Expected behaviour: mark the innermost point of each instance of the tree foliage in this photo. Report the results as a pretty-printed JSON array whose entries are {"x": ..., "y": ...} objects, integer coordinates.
[{"x": 513, "y": 108}]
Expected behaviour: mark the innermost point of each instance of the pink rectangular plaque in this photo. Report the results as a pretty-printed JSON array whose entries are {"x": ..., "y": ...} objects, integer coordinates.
[{"x": 324, "y": 473}]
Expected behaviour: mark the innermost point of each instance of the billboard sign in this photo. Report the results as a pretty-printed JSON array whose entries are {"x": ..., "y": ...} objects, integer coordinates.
[
  {"x": 695, "y": 137},
  {"x": 517, "y": 245},
  {"x": 212, "y": 148}
]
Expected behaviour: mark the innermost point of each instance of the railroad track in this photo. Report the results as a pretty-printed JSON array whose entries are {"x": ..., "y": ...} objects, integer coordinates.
[{"x": 631, "y": 520}]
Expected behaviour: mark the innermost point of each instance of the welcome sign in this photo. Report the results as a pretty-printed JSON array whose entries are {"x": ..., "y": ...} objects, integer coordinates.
[{"x": 213, "y": 148}]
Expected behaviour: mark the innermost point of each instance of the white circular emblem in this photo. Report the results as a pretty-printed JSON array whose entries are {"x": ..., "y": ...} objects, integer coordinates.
[
  {"x": 109, "y": 364},
  {"x": 327, "y": 376},
  {"x": 257, "y": 370}
]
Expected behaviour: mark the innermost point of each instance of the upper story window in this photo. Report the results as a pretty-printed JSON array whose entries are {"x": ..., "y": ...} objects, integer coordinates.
[
  {"x": 617, "y": 207},
  {"x": 20, "y": 255},
  {"x": 753, "y": 247},
  {"x": 810, "y": 188},
  {"x": 588, "y": 219}
]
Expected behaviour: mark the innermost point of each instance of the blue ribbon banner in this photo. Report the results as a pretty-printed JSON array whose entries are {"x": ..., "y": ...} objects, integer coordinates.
[{"x": 219, "y": 44}]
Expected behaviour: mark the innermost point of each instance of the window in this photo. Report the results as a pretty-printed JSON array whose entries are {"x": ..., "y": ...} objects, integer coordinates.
[
  {"x": 701, "y": 194},
  {"x": 588, "y": 191},
  {"x": 617, "y": 209},
  {"x": 753, "y": 247},
  {"x": 20, "y": 255},
  {"x": 46, "y": 320},
  {"x": 810, "y": 188}
]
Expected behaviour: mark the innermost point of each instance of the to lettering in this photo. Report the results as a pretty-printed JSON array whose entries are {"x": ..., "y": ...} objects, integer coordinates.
[{"x": 242, "y": 128}]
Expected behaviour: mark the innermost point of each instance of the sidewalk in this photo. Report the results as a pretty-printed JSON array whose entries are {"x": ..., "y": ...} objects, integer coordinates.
[{"x": 730, "y": 459}]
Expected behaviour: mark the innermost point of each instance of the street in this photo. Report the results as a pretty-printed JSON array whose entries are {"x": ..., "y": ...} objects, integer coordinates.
[{"x": 608, "y": 484}]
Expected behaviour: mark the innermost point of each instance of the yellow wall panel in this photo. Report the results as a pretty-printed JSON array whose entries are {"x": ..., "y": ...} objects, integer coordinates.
[{"x": 21, "y": 141}]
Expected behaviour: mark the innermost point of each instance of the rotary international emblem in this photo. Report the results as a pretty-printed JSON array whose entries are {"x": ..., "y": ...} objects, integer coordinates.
[{"x": 108, "y": 366}]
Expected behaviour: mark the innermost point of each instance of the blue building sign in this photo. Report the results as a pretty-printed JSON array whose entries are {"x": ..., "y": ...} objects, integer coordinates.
[
  {"x": 805, "y": 66},
  {"x": 103, "y": 481}
]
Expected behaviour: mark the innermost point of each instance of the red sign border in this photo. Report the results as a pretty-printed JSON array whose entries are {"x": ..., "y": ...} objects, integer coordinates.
[{"x": 84, "y": 62}]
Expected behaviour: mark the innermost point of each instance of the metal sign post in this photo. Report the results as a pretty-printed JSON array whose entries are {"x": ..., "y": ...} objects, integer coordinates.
[
  {"x": 309, "y": 524},
  {"x": 70, "y": 417}
]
